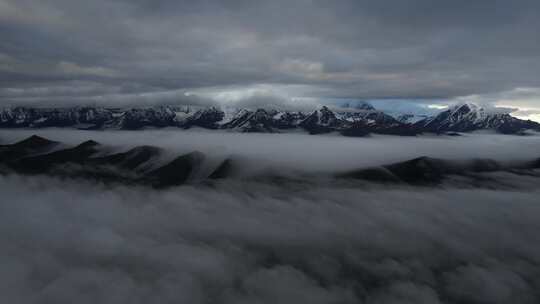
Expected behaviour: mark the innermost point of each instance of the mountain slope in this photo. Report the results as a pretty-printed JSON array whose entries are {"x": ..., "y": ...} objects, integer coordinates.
[
  {"x": 79, "y": 117},
  {"x": 204, "y": 118},
  {"x": 471, "y": 117},
  {"x": 321, "y": 121},
  {"x": 360, "y": 121},
  {"x": 30, "y": 146}
]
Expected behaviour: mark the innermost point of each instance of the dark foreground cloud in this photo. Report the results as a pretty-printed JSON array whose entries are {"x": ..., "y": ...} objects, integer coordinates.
[
  {"x": 240, "y": 242},
  {"x": 350, "y": 49}
]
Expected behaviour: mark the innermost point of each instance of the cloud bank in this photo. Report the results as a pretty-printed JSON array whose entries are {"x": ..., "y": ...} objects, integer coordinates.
[
  {"x": 265, "y": 241},
  {"x": 240, "y": 242},
  {"x": 325, "y": 152}
]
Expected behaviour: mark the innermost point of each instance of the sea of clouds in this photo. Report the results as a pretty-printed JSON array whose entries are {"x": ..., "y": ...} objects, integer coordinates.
[
  {"x": 299, "y": 151},
  {"x": 240, "y": 241},
  {"x": 248, "y": 242}
]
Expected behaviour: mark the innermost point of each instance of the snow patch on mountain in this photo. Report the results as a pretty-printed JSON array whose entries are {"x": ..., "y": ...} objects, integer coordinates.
[{"x": 358, "y": 121}]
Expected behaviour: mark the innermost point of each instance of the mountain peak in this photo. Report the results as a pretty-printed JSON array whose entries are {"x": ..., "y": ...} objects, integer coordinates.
[
  {"x": 88, "y": 144},
  {"x": 463, "y": 117},
  {"x": 34, "y": 141},
  {"x": 467, "y": 107}
]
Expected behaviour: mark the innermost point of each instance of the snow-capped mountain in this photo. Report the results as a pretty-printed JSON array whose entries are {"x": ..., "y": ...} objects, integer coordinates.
[
  {"x": 205, "y": 118},
  {"x": 288, "y": 120},
  {"x": 149, "y": 117},
  {"x": 371, "y": 120},
  {"x": 82, "y": 117},
  {"x": 262, "y": 120},
  {"x": 370, "y": 117},
  {"x": 470, "y": 117},
  {"x": 360, "y": 121},
  {"x": 251, "y": 121},
  {"x": 321, "y": 121},
  {"x": 411, "y": 118}
]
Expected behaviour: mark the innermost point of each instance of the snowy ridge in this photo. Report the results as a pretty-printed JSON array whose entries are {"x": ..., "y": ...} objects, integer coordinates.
[
  {"x": 410, "y": 118},
  {"x": 357, "y": 120},
  {"x": 468, "y": 117}
]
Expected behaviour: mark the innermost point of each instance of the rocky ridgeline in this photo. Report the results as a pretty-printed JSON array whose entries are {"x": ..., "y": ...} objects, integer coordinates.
[{"x": 358, "y": 121}]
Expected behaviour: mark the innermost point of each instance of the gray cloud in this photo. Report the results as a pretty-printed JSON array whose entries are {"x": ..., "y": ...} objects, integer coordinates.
[
  {"x": 350, "y": 49},
  {"x": 245, "y": 242},
  {"x": 249, "y": 241}
]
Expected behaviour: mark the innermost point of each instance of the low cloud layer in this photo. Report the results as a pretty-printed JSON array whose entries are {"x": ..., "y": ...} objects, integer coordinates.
[
  {"x": 301, "y": 151},
  {"x": 239, "y": 242},
  {"x": 265, "y": 241}
]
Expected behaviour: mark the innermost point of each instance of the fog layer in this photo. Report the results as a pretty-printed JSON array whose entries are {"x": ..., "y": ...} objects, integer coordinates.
[
  {"x": 239, "y": 242},
  {"x": 272, "y": 241},
  {"x": 302, "y": 151}
]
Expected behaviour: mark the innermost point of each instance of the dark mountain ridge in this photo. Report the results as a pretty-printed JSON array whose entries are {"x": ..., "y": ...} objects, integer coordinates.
[
  {"x": 357, "y": 121},
  {"x": 146, "y": 165}
]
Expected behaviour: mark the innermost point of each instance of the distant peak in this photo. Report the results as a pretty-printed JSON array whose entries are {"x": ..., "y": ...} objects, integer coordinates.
[
  {"x": 36, "y": 138},
  {"x": 480, "y": 110},
  {"x": 88, "y": 144},
  {"x": 464, "y": 106},
  {"x": 34, "y": 141}
]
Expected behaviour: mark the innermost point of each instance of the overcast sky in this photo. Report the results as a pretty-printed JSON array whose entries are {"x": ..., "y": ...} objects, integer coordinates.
[{"x": 430, "y": 52}]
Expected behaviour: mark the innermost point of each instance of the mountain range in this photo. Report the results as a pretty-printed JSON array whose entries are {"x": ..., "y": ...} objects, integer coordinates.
[{"x": 353, "y": 121}]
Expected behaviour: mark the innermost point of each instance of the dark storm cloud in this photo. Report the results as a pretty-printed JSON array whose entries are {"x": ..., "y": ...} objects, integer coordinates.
[{"x": 353, "y": 49}]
